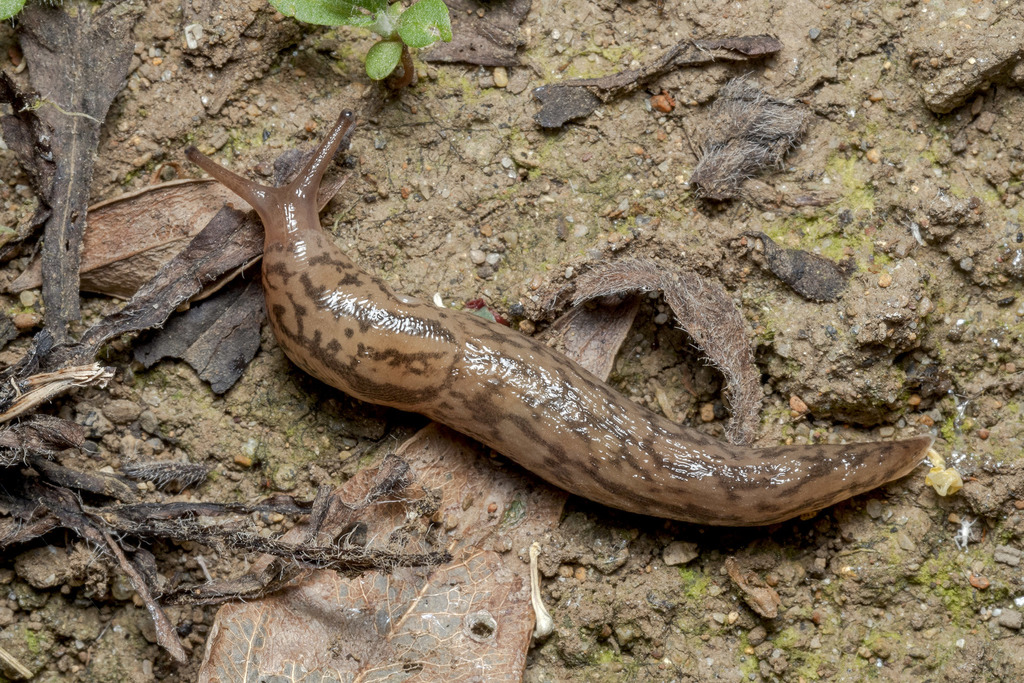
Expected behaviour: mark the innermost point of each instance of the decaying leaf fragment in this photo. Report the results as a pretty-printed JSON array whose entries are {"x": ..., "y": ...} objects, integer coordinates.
[
  {"x": 706, "y": 312},
  {"x": 750, "y": 131},
  {"x": 217, "y": 337},
  {"x": 811, "y": 276},
  {"x": 761, "y": 597},
  {"x": 131, "y": 237}
]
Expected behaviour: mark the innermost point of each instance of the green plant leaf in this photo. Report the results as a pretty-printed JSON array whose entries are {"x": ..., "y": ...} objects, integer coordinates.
[
  {"x": 382, "y": 59},
  {"x": 425, "y": 23},
  {"x": 8, "y": 8},
  {"x": 330, "y": 12}
]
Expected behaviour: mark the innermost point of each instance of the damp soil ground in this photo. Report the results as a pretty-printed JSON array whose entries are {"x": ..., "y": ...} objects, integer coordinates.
[{"x": 916, "y": 139}]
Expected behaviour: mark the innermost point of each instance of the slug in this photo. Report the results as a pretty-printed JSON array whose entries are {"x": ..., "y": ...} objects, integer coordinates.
[{"x": 344, "y": 326}]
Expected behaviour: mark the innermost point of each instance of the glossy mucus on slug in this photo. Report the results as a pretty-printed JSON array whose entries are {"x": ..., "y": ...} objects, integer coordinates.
[{"x": 345, "y": 327}]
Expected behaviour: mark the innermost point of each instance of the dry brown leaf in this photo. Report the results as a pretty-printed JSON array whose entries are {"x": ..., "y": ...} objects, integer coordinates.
[
  {"x": 129, "y": 238},
  {"x": 468, "y": 620}
]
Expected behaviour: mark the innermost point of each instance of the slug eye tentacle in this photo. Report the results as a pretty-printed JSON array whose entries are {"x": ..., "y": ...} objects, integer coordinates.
[
  {"x": 258, "y": 196},
  {"x": 307, "y": 182},
  {"x": 265, "y": 199}
]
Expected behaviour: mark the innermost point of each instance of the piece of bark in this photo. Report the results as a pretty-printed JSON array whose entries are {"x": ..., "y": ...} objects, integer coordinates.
[
  {"x": 564, "y": 101},
  {"x": 80, "y": 58},
  {"x": 38, "y": 435},
  {"x": 488, "y": 40},
  {"x": 811, "y": 276},
  {"x": 29, "y": 138}
]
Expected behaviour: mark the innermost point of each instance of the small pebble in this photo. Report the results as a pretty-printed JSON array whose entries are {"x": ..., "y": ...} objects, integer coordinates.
[
  {"x": 983, "y": 433},
  {"x": 707, "y": 412},
  {"x": 914, "y": 400},
  {"x": 985, "y": 121},
  {"x": 26, "y": 321},
  {"x": 500, "y": 77},
  {"x": 243, "y": 461},
  {"x": 797, "y": 405},
  {"x": 28, "y": 298},
  {"x": 874, "y": 508},
  {"x": 884, "y": 280},
  {"x": 978, "y": 581},
  {"x": 873, "y": 155},
  {"x": 663, "y": 103},
  {"x": 1012, "y": 619},
  {"x": 477, "y": 257},
  {"x": 814, "y": 33},
  {"x": 679, "y": 552}
]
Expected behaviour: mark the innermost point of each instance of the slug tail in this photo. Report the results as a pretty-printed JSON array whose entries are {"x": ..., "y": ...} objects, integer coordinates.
[
  {"x": 308, "y": 181},
  {"x": 260, "y": 197},
  {"x": 831, "y": 474}
]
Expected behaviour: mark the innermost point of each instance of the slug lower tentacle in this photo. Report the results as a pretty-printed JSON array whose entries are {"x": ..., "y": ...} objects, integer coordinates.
[{"x": 345, "y": 327}]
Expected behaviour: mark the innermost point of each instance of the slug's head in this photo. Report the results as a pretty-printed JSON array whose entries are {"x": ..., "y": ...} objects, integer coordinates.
[{"x": 303, "y": 188}]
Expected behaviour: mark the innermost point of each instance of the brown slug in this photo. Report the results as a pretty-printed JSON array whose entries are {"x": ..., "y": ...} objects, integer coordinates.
[{"x": 346, "y": 328}]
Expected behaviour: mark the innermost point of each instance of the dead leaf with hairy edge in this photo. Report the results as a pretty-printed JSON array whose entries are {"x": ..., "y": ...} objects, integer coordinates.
[
  {"x": 217, "y": 337},
  {"x": 467, "y": 620},
  {"x": 80, "y": 57},
  {"x": 130, "y": 237},
  {"x": 579, "y": 97},
  {"x": 38, "y": 435},
  {"x": 488, "y": 40},
  {"x": 761, "y": 597},
  {"x": 811, "y": 276},
  {"x": 706, "y": 312}
]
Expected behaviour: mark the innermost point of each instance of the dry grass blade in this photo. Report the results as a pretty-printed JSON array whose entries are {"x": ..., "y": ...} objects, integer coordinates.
[
  {"x": 751, "y": 132},
  {"x": 22, "y": 396},
  {"x": 705, "y": 311},
  {"x": 166, "y": 636},
  {"x": 11, "y": 662}
]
